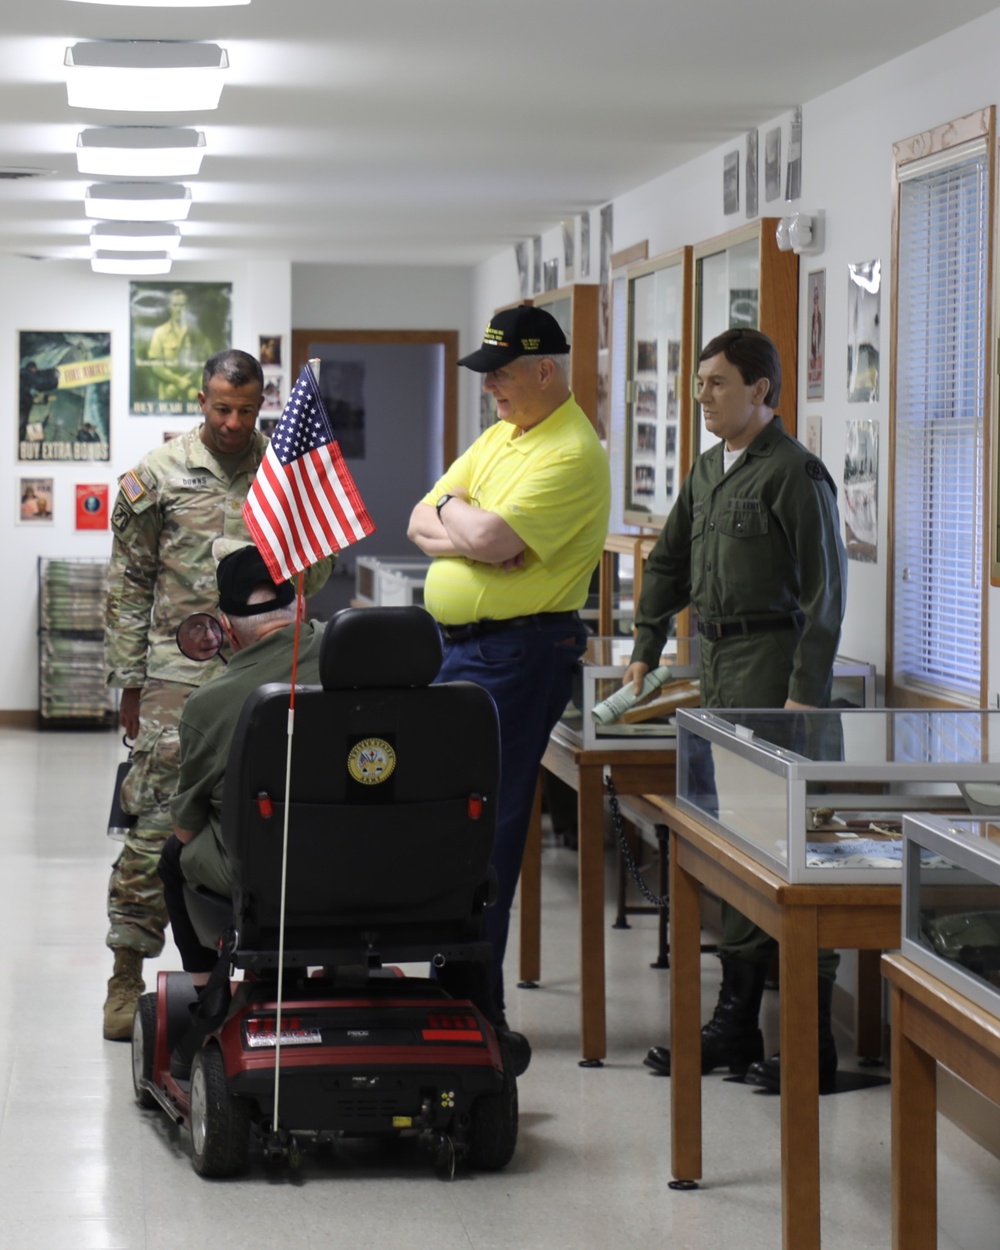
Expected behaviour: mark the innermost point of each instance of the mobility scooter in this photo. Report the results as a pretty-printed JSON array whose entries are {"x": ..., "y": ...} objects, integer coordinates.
[{"x": 390, "y": 799}]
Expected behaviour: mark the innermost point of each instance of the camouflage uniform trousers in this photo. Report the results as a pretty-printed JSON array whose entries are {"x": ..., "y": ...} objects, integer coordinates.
[{"x": 136, "y": 911}]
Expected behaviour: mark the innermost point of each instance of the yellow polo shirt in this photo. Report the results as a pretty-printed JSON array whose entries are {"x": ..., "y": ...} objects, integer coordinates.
[{"x": 552, "y": 486}]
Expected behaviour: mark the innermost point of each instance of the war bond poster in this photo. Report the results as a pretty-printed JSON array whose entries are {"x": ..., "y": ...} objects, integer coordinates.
[{"x": 65, "y": 395}]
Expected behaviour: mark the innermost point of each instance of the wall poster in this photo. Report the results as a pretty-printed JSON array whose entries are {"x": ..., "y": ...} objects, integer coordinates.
[
  {"x": 34, "y": 500},
  {"x": 817, "y": 334},
  {"x": 864, "y": 281},
  {"x": 861, "y": 491},
  {"x": 92, "y": 506},
  {"x": 64, "y": 407},
  {"x": 175, "y": 327}
]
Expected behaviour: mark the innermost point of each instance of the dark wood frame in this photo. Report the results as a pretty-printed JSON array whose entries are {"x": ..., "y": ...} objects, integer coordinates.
[{"x": 448, "y": 339}]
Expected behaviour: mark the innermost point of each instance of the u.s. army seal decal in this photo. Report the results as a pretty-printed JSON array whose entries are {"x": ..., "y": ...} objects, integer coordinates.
[{"x": 371, "y": 761}]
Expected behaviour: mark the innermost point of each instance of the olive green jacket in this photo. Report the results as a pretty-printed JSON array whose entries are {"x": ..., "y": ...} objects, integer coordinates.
[{"x": 761, "y": 541}]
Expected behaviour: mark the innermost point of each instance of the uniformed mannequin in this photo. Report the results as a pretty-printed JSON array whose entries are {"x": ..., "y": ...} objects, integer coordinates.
[{"x": 753, "y": 544}]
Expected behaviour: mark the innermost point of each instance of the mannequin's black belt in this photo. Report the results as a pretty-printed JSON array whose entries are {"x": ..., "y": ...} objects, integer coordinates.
[
  {"x": 714, "y": 630},
  {"x": 475, "y": 629}
]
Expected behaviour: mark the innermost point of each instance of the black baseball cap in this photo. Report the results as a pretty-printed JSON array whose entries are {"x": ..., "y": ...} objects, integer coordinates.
[
  {"x": 238, "y": 576},
  {"x": 515, "y": 332}
]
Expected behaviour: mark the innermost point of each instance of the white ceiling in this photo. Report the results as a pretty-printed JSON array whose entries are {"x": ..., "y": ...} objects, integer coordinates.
[{"x": 432, "y": 131}]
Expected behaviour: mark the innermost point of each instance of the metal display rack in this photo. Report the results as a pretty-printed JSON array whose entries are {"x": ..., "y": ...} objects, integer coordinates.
[{"x": 72, "y": 692}]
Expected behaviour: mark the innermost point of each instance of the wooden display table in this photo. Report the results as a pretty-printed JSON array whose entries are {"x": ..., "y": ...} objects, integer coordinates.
[
  {"x": 804, "y": 919},
  {"x": 931, "y": 1024},
  {"x": 633, "y": 772}
]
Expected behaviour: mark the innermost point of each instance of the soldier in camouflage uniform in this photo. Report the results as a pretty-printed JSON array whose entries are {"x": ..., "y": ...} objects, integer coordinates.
[{"x": 170, "y": 509}]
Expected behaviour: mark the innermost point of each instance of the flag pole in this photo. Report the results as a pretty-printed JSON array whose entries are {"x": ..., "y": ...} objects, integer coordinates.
[{"x": 314, "y": 365}]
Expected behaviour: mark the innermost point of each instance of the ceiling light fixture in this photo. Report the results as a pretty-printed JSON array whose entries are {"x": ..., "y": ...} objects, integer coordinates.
[
  {"x": 154, "y": 76},
  {"x": 135, "y": 236},
  {"x": 140, "y": 151},
  {"x": 138, "y": 201},
  {"x": 169, "y": 4},
  {"x": 130, "y": 262}
]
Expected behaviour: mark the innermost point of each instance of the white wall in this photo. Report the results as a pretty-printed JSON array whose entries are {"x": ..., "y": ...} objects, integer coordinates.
[
  {"x": 847, "y": 163},
  {"x": 58, "y": 295},
  {"x": 401, "y": 297}
]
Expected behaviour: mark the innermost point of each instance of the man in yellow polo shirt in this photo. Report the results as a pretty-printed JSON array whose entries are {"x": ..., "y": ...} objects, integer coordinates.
[{"x": 516, "y": 526}]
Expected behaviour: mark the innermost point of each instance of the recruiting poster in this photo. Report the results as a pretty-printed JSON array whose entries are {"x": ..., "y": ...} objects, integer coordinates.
[
  {"x": 92, "y": 506},
  {"x": 64, "y": 408},
  {"x": 175, "y": 327}
]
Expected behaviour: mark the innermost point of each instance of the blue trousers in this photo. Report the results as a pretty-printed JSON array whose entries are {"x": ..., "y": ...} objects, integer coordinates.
[{"x": 529, "y": 672}]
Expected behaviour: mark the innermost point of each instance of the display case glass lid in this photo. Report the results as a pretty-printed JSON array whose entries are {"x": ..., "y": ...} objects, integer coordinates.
[{"x": 941, "y": 740}]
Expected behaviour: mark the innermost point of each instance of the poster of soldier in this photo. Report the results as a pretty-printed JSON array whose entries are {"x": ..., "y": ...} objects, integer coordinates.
[
  {"x": 65, "y": 395},
  {"x": 175, "y": 327}
]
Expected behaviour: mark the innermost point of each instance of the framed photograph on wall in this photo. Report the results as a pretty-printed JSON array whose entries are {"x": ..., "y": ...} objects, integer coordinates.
[
  {"x": 64, "y": 410},
  {"x": 269, "y": 352},
  {"x": 864, "y": 281},
  {"x": 92, "y": 505},
  {"x": 174, "y": 328},
  {"x": 34, "y": 501},
  {"x": 731, "y": 182},
  {"x": 817, "y": 334}
]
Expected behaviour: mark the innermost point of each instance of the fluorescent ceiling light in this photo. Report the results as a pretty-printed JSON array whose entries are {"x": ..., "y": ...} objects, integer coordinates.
[
  {"x": 140, "y": 151},
  {"x": 130, "y": 262},
  {"x": 138, "y": 201},
  {"x": 149, "y": 75},
  {"x": 135, "y": 236}
]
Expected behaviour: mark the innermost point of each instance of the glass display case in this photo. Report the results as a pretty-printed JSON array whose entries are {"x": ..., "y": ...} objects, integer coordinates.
[
  {"x": 951, "y": 900},
  {"x": 389, "y": 581},
  {"x": 576, "y": 309},
  {"x": 820, "y": 795},
  {"x": 657, "y": 394},
  {"x": 741, "y": 279},
  {"x": 650, "y": 725}
]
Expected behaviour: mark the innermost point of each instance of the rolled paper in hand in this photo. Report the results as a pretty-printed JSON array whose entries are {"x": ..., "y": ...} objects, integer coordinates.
[{"x": 617, "y": 704}]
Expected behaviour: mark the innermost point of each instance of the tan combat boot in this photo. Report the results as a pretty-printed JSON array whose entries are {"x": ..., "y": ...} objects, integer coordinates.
[{"x": 124, "y": 988}]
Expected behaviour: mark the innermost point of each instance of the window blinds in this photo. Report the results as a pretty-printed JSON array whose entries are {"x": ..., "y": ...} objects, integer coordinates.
[{"x": 943, "y": 289}]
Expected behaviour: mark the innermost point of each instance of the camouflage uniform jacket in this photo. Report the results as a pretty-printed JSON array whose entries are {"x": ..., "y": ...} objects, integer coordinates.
[{"x": 169, "y": 510}]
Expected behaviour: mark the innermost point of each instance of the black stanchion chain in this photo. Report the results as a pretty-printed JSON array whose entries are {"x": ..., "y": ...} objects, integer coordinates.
[{"x": 627, "y": 856}]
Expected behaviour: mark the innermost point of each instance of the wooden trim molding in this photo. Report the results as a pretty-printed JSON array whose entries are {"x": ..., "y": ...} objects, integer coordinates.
[{"x": 629, "y": 255}]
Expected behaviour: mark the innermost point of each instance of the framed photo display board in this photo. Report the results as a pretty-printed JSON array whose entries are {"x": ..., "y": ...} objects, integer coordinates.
[
  {"x": 575, "y": 308},
  {"x": 742, "y": 279},
  {"x": 657, "y": 388}
]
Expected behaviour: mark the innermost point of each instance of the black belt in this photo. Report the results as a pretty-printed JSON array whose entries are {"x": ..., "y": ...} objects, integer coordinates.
[
  {"x": 714, "y": 630},
  {"x": 475, "y": 629}
]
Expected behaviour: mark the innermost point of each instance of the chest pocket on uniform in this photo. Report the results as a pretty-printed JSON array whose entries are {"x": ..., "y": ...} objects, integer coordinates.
[{"x": 743, "y": 523}]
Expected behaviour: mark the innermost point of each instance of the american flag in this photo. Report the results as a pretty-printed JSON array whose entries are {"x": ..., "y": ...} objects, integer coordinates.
[{"x": 303, "y": 503}]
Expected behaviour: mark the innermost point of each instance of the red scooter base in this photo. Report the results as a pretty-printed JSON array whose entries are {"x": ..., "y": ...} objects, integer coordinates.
[{"x": 390, "y": 1056}]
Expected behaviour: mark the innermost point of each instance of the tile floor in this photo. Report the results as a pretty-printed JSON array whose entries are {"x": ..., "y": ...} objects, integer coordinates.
[{"x": 82, "y": 1168}]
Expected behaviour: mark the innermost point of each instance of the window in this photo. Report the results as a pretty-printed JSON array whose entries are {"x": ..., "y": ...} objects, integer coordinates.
[{"x": 940, "y": 401}]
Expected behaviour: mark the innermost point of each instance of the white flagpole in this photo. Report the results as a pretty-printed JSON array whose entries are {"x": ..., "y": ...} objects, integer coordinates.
[{"x": 299, "y": 611}]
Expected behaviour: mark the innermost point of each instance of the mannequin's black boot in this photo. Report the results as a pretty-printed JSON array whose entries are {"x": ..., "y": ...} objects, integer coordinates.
[
  {"x": 732, "y": 1038},
  {"x": 767, "y": 1072}
]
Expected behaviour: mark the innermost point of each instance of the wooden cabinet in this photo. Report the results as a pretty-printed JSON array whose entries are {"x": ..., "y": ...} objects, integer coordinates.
[
  {"x": 741, "y": 279},
  {"x": 658, "y": 396},
  {"x": 575, "y": 308}
]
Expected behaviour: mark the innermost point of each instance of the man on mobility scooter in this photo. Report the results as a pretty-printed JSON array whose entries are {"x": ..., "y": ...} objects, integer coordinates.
[{"x": 390, "y": 817}]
